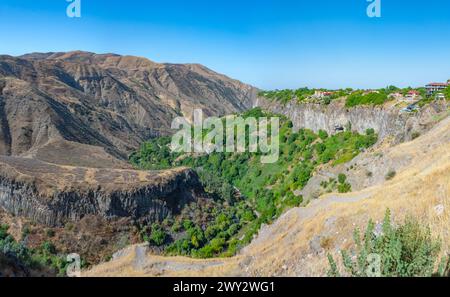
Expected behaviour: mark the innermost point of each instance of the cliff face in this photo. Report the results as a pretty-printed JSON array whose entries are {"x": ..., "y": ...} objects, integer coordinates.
[
  {"x": 386, "y": 121},
  {"x": 64, "y": 194}
]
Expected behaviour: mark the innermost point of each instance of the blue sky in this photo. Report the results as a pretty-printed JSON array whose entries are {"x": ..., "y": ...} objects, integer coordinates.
[{"x": 270, "y": 44}]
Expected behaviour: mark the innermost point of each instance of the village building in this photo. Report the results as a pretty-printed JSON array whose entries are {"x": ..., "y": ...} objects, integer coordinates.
[
  {"x": 396, "y": 96},
  {"x": 412, "y": 95},
  {"x": 322, "y": 94},
  {"x": 436, "y": 87}
]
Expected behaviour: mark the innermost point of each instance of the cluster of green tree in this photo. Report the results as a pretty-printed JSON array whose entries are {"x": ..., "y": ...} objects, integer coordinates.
[
  {"x": 219, "y": 238},
  {"x": 45, "y": 256},
  {"x": 155, "y": 154},
  {"x": 407, "y": 250},
  {"x": 284, "y": 96},
  {"x": 373, "y": 98},
  {"x": 265, "y": 190}
]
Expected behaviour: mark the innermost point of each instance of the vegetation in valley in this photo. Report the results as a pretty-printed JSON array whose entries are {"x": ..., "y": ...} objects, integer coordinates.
[
  {"x": 247, "y": 193},
  {"x": 42, "y": 258},
  {"x": 407, "y": 250}
]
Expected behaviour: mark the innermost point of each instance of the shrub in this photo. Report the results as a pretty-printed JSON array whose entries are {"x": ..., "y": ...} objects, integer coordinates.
[
  {"x": 344, "y": 188},
  {"x": 48, "y": 248},
  {"x": 370, "y": 132},
  {"x": 50, "y": 233},
  {"x": 415, "y": 135},
  {"x": 390, "y": 175},
  {"x": 3, "y": 231},
  {"x": 404, "y": 251},
  {"x": 323, "y": 134},
  {"x": 342, "y": 178},
  {"x": 158, "y": 235}
]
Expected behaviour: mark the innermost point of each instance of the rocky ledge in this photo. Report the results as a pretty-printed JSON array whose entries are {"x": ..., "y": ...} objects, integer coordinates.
[
  {"x": 387, "y": 121},
  {"x": 53, "y": 195}
]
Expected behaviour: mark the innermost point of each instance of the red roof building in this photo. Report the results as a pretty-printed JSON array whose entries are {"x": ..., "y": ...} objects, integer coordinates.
[{"x": 436, "y": 87}]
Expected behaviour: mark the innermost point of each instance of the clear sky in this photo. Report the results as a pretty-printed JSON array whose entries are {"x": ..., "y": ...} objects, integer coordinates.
[{"x": 270, "y": 44}]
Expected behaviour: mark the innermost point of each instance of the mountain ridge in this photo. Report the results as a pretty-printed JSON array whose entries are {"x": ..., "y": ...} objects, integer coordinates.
[{"x": 104, "y": 100}]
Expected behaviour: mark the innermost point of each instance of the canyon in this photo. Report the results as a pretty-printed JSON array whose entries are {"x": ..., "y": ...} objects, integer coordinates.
[{"x": 69, "y": 122}]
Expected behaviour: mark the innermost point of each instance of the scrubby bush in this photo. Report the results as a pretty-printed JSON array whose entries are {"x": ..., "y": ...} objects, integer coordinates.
[
  {"x": 344, "y": 188},
  {"x": 406, "y": 250},
  {"x": 157, "y": 236},
  {"x": 415, "y": 135},
  {"x": 342, "y": 178},
  {"x": 390, "y": 175}
]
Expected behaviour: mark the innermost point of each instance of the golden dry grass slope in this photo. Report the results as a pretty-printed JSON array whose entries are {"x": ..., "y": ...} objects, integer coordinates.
[{"x": 297, "y": 243}]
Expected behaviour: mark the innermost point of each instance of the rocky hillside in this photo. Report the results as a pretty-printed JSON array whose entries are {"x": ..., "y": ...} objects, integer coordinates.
[{"x": 50, "y": 103}]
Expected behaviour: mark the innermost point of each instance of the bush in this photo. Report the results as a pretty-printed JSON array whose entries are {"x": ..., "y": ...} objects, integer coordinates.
[
  {"x": 50, "y": 233},
  {"x": 158, "y": 235},
  {"x": 390, "y": 175},
  {"x": 370, "y": 132},
  {"x": 415, "y": 135},
  {"x": 323, "y": 134},
  {"x": 48, "y": 248},
  {"x": 3, "y": 231},
  {"x": 344, "y": 188},
  {"x": 342, "y": 178},
  {"x": 404, "y": 251}
]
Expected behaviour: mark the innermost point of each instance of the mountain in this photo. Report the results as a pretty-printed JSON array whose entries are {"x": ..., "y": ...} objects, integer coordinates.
[{"x": 85, "y": 109}]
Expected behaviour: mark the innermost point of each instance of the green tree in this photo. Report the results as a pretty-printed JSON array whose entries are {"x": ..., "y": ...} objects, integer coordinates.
[
  {"x": 158, "y": 235},
  {"x": 342, "y": 178}
]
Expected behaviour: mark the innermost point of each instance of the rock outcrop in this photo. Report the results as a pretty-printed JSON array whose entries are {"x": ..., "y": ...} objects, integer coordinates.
[{"x": 52, "y": 195}]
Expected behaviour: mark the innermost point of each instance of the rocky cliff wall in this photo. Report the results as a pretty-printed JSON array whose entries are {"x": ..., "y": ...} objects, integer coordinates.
[
  {"x": 386, "y": 121},
  {"x": 153, "y": 201}
]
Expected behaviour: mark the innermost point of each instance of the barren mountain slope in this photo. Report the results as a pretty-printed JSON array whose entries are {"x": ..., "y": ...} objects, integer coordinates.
[
  {"x": 296, "y": 244},
  {"x": 108, "y": 101}
]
